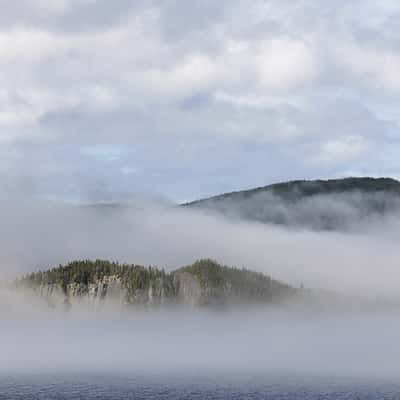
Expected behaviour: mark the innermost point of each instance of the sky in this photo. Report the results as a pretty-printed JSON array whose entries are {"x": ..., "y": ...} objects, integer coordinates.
[{"x": 107, "y": 101}]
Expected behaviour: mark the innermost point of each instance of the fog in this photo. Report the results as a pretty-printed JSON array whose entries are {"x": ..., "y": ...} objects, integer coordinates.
[
  {"x": 264, "y": 341},
  {"x": 361, "y": 262},
  {"x": 351, "y": 211},
  {"x": 40, "y": 236}
]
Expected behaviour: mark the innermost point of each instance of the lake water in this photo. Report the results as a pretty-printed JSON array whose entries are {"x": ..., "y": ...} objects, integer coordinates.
[{"x": 112, "y": 386}]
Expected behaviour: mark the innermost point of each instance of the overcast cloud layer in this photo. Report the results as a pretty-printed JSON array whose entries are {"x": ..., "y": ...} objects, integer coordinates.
[{"x": 103, "y": 100}]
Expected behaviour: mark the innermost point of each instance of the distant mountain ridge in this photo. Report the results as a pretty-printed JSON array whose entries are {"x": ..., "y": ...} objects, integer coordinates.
[
  {"x": 317, "y": 204},
  {"x": 303, "y": 187}
]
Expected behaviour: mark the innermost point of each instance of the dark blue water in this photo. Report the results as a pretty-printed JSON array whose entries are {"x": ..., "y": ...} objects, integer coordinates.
[{"x": 84, "y": 386}]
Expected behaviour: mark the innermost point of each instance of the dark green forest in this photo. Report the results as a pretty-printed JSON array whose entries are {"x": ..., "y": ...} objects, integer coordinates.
[
  {"x": 85, "y": 272},
  {"x": 215, "y": 279},
  {"x": 243, "y": 282}
]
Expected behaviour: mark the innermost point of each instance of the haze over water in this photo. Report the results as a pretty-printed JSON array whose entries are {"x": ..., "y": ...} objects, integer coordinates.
[{"x": 113, "y": 114}]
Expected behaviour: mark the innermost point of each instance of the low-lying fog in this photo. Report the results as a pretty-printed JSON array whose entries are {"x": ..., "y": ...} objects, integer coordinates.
[
  {"x": 363, "y": 262},
  {"x": 349, "y": 345}
]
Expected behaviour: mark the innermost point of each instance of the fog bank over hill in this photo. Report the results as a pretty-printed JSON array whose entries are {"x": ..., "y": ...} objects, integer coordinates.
[
  {"x": 40, "y": 236},
  {"x": 337, "y": 204},
  {"x": 362, "y": 260}
]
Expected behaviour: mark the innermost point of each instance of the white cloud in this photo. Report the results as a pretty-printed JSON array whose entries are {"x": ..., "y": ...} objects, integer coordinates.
[
  {"x": 343, "y": 149},
  {"x": 374, "y": 67},
  {"x": 284, "y": 64},
  {"x": 84, "y": 72}
]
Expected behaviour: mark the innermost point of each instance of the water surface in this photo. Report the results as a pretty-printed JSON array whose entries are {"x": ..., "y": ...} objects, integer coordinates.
[{"x": 213, "y": 386}]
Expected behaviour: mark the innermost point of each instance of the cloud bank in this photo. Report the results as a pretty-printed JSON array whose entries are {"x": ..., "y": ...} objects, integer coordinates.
[
  {"x": 355, "y": 261},
  {"x": 354, "y": 343}
]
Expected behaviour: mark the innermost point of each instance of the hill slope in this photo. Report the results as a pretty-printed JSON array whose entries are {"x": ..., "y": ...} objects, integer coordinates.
[
  {"x": 203, "y": 283},
  {"x": 318, "y": 204}
]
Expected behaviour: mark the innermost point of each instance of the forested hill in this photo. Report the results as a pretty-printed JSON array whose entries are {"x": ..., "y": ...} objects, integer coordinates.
[
  {"x": 203, "y": 283},
  {"x": 317, "y": 204}
]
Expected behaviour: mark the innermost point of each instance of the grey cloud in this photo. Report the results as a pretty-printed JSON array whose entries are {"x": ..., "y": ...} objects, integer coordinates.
[
  {"x": 111, "y": 75},
  {"x": 189, "y": 150},
  {"x": 79, "y": 16},
  {"x": 180, "y": 19}
]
